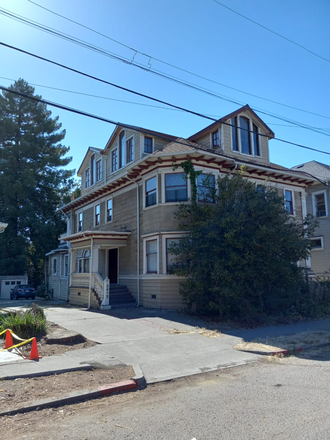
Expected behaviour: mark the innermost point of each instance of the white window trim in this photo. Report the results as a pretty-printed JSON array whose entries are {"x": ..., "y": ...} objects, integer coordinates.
[
  {"x": 82, "y": 220},
  {"x": 96, "y": 161},
  {"x": 164, "y": 249},
  {"x": 106, "y": 210},
  {"x": 153, "y": 144},
  {"x": 219, "y": 137},
  {"x": 111, "y": 151},
  {"x": 322, "y": 244},
  {"x": 145, "y": 268},
  {"x": 293, "y": 200},
  {"x": 314, "y": 203},
  {"x": 170, "y": 171},
  {"x": 144, "y": 190},
  {"x": 251, "y": 122},
  {"x": 128, "y": 163},
  {"x": 54, "y": 273},
  {"x": 97, "y": 204},
  {"x": 87, "y": 169}
]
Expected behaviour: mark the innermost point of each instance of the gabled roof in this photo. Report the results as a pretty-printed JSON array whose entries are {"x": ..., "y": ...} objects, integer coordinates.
[
  {"x": 118, "y": 128},
  {"x": 245, "y": 108},
  {"x": 318, "y": 169},
  {"x": 90, "y": 150}
]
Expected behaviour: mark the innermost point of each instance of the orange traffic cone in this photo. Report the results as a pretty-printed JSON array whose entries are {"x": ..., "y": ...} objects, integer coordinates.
[
  {"x": 34, "y": 351},
  {"x": 9, "y": 340}
]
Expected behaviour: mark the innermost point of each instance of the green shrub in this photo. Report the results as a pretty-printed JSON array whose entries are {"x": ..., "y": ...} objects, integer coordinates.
[{"x": 25, "y": 324}]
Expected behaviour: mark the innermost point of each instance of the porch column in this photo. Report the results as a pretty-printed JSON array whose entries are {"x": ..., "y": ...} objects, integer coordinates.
[
  {"x": 95, "y": 260},
  {"x": 72, "y": 263}
]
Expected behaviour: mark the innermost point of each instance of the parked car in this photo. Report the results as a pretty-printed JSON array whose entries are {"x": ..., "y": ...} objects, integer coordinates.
[{"x": 23, "y": 291}]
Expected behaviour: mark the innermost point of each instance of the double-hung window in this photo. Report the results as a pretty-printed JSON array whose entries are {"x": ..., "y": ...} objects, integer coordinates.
[
  {"x": 121, "y": 149},
  {"x": 80, "y": 221},
  {"x": 109, "y": 210},
  {"x": 54, "y": 268},
  {"x": 176, "y": 187},
  {"x": 87, "y": 178},
  {"x": 205, "y": 188},
  {"x": 151, "y": 191},
  {"x": 129, "y": 150},
  {"x": 245, "y": 136},
  {"x": 98, "y": 170},
  {"x": 170, "y": 257},
  {"x": 97, "y": 215},
  {"x": 215, "y": 139},
  {"x": 288, "y": 201},
  {"x": 66, "y": 265},
  {"x": 151, "y": 256},
  {"x": 92, "y": 169},
  {"x": 83, "y": 262},
  {"x": 320, "y": 206},
  {"x": 114, "y": 160},
  {"x": 148, "y": 147},
  {"x": 317, "y": 243}
]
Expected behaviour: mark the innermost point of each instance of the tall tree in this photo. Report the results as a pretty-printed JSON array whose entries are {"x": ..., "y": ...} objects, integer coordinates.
[
  {"x": 241, "y": 252},
  {"x": 32, "y": 182}
]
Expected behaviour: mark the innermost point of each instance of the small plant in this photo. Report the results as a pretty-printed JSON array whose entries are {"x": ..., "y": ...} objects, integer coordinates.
[{"x": 25, "y": 324}]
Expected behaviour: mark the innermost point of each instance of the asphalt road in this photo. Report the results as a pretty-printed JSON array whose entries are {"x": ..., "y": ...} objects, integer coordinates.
[{"x": 272, "y": 399}]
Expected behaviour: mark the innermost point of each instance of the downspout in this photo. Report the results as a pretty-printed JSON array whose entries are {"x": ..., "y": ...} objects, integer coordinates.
[
  {"x": 90, "y": 274},
  {"x": 137, "y": 241}
]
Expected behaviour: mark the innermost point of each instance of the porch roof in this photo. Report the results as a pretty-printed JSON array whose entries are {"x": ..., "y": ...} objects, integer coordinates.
[{"x": 110, "y": 238}]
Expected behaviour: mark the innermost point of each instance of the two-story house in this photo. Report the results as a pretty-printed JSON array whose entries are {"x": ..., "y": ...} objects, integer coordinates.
[
  {"x": 123, "y": 224},
  {"x": 318, "y": 204}
]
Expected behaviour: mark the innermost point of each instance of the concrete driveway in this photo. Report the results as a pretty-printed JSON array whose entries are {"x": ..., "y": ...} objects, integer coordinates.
[{"x": 162, "y": 343}]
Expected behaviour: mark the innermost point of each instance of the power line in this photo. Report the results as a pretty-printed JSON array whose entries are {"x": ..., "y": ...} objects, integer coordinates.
[
  {"x": 273, "y": 32},
  {"x": 174, "y": 66},
  {"x": 100, "y": 118},
  {"x": 157, "y": 72},
  {"x": 136, "y": 103}
]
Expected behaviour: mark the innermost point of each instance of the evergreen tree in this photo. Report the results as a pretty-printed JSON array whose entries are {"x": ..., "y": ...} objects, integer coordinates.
[
  {"x": 240, "y": 255},
  {"x": 32, "y": 182}
]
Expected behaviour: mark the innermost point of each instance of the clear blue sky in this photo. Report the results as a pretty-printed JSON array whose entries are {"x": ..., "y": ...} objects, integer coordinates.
[{"x": 200, "y": 36}]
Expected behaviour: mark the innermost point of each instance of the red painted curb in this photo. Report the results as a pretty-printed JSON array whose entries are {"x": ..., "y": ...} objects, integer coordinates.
[{"x": 119, "y": 386}]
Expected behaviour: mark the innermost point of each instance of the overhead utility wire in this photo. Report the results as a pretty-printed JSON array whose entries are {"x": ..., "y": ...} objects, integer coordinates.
[
  {"x": 138, "y": 129},
  {"x": 134, "y": 92},
  {"x": 80, "y": 112},
  {"x": 176, "y": 67},
  {"x": 273, "y": 32},
  {"x": 156, "y": 72},
  {"x": 133, "y": 102}
]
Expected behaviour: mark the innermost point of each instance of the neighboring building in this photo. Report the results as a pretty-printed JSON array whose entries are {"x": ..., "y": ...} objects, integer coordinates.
[
  {"x": 57, "y": 271},
  {"x": 123, "y": 223},
  {"x": 8, "y": 282},
  {"x": 318, "y": 205}
]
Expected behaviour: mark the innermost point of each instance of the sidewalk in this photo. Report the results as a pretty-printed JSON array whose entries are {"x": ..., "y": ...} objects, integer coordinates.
[{"x": 159, "y": 345}]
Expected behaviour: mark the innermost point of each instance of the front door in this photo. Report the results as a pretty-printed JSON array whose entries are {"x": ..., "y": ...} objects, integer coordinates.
[{"x": 113, "y": 266}]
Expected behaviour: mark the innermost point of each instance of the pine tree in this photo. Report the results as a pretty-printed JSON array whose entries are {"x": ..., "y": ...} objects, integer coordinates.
[{"x": 32, "y": 182}]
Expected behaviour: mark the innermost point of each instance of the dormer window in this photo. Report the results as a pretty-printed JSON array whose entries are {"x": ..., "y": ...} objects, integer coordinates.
[
  {"x": 98, "y": 170},
  {"x": 148, "y": 144},
  {"x": 92, "y": 174},
  {"x": 245, "y": 136},
  {"x": 87, "y": 178},
  {"x": 215, "y": 139},
  {"x": 122, "y": 149}
]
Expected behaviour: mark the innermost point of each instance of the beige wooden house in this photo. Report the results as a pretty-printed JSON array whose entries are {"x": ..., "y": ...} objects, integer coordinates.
[{"x": 123, "y": 223}]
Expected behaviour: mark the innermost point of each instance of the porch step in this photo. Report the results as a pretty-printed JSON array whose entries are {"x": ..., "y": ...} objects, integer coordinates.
[{"x": 120, "y": 295}]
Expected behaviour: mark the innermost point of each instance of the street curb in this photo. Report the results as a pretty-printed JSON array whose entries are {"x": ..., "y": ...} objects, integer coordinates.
[
  {"x": 139, "y": 378},
  {"x": 137, "y": 382},
  {"x": 47, "y": 373},
  {"x": 289, "y": 352},
  {"x": 73, "y": 397}
]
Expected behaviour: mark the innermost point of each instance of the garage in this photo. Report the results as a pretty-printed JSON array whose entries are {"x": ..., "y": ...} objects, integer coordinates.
[{"x": 8, "y": 283}]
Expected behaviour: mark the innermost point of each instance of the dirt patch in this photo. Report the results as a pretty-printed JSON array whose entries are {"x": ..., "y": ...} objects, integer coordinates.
[
  {"x": 290, "y": 342},
  {"x": 19, "y": 392},
  {"x": 46, "y": 348},
  {"x": 198, "y": 331}
]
